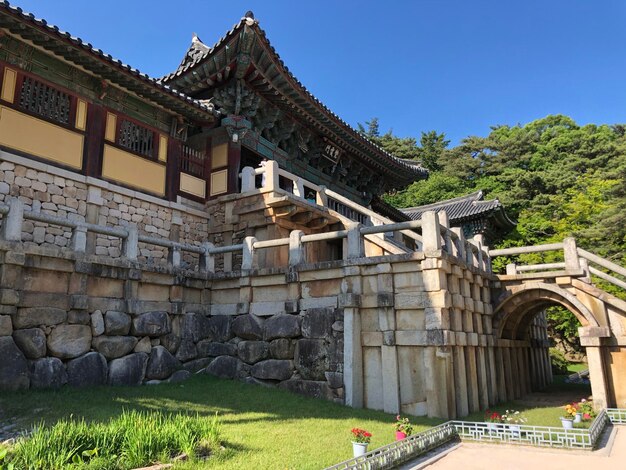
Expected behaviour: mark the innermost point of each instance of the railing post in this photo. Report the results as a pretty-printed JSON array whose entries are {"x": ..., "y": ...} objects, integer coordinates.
[
  {"x": 247, "y": 261},
  {"x": 130, "y": 245},
  {"x": 248, "y": 182},
  {"x": 444, "y": 221},
  {"x": 511, "y": 269},
  {"x": 570, "y": 254},
  {"x": 298, "y": 187},
  {"x": 207, "y": 259},
  {"x": 271, "y": 175},
  {"x": 12, "y": 221},
  {"x": 296, "y": 248},
  {"x": 460, "y": 242},
  {"x": 356, "y": 247},
  {"x": 320, "y": 198},
  {"x": 431, "y": 231},
  {"x": 584, "y": 264},
  {"x": 79, "y": 239},
  {"x": 174, "y": 256}
]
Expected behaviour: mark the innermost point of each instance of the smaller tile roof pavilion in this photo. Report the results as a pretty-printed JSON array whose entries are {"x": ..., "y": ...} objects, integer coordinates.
[{"x": 471, "y": 212}]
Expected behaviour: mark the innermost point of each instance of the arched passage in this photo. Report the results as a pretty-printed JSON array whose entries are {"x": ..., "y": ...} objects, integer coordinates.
[{"x": 522, "y": 356}]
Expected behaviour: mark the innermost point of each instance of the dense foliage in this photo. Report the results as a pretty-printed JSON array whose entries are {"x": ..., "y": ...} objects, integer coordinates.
[{"x": 555, "y": 178}]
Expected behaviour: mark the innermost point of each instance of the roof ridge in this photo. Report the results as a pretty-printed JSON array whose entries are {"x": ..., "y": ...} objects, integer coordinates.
[{"x": 478, "y": 194}]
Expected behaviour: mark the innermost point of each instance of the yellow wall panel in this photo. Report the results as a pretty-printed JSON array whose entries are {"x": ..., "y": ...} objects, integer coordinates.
[
  {"x": 219, "y": 156},
  {"x": 109, "y": 133},
  {"x": 162, "y": 148},
  {"x": 40, "y": 138},
  {"x": 219, "y": 182},
  {"x": 81, "y": 115},
  {"x": 133, "y": 171},
  {"x": 8, "y": 84},
  {"x": 192, "y": 185}
]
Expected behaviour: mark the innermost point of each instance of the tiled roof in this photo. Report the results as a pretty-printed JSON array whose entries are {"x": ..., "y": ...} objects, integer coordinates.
[
  {"x": 460, "y": 208},
  {"x": 79, "y": 45},
  {"x": 311, "y": 103}
]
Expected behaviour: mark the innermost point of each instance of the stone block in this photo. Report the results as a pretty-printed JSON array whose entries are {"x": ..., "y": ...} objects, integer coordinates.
[
  {"x": 208, "y": 348},
  {"x": 316, "y": 389},
  {"x": 113, "y": 347},
  {"x": 79, "y": 302},
  {"x": 97, "y": 323},
  {"x": 225, "y": 367},
  {"x": 14, "y": 373},
  {"x": 272, "y": 369},
  {"x": 248, "y": 327},
  {"x": 220, "y": 328},
  {"x": 197, "y": 364},
  {"x": 282, "y": 348},
  {"x": 171, "y": 341},
  {"x": 48, "y": 373},
  {"x": 179, "y": 376},
  {"x": 89, "y": 370},
  {"x": 151, "y": 324},
  {"x": 317, "y": 323},
  {"x": 32, "y": 342},
  {"x": 9, "y": 297},
  {"x": 69, "y": 341},
  {"x": 6, "y": 325},
  {"x": 78, "y": 317},
  {"x": 161, "y": 364},
  {"x": 334, "y": 379},
  {"x": 37, "y": 316},
  {"x": 128, "y": 370},
  {"x": 282, "y": 326},
  {"x": 252, "y": 351},
  {"x": 116, "y": 323},
  {"x": 186, "y": 351},
  {"x": 311, "y": 359}
]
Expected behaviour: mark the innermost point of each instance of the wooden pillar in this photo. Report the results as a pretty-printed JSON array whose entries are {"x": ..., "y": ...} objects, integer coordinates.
[
  {"x": 172, "y": 173},
  {"x": 94, "y": 140},
  {"x": 234, "y": 161}
]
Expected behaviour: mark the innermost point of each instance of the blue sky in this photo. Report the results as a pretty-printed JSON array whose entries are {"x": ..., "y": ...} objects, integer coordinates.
[{"x": 455, "y": 66}]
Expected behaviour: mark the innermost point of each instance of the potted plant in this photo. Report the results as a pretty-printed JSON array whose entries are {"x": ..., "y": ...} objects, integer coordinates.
[
  {"x": 492, "y": 418},
  {"x": 567, "y": 420},
  {"x": 585, "y": 408},
  {"x": 514, "y": 420},
  {"x": 360, "y": 440},
  {"x": 403, "y": 428}
]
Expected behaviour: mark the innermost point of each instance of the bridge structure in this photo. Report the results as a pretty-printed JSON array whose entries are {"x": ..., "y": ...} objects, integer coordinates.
[{"x": 328, "y": 298}]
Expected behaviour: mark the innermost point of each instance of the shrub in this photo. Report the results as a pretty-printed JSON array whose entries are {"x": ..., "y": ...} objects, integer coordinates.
[
  {"x": 558, "y": 362},
  {"x": 134, "y": 439}
]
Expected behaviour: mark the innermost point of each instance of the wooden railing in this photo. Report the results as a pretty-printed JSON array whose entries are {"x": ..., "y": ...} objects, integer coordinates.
[{"x": 193, "y": 161}]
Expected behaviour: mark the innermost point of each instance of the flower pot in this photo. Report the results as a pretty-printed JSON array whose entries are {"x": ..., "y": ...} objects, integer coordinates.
[
  {"x": 400, "y": 435},
  {"x": 578, "y": 418},
  {"x": 515, "y": 430},
  {"x": 567, "y": 423},
  {"x": 359, "y": 448}
]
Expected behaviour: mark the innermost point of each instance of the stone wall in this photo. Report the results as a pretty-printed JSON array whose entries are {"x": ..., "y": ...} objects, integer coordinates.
[
  {"x": 89, "y": 320},
  {"x": 66, "y": 194}
]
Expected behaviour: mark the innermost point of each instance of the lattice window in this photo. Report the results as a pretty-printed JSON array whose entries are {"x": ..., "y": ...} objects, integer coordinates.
[
  {"x": 136, "y": 138},
  {"x": 192, "y": 161},
  {"x": 41, "y": 99}
]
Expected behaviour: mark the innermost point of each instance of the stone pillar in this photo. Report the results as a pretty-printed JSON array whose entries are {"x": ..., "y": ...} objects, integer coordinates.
[
  {"x": 271, "y": 175},
  {"x": 472, "y": 379},
  {"x": 92, "y": 215},
  {"x": 570, "y": 254},
  {"x": 591, "y": 339},
  {"x": 460, "y": 377},
  {"x": 508, "y": 372},
  {"x": 11, "y": 228},
  {"x": 501, "y": 375},
  {"x": 483, "y": 394},
  {"x": 247, "y": 179},
  {"x": 356, "y": 248},
  {"x": 248, "y": 258},
  {"x": 296, "y": 248},
  {"x": 439, "y": 393},
  {"x": 391, "y": 383},
  {"x": 353, "y": 357},
  {"x": 431, "y": 232},
  {"x": 492, "y": 373}
]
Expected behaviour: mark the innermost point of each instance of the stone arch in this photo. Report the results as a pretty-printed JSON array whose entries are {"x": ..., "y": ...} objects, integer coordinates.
[{"x": 519, "y": 304}]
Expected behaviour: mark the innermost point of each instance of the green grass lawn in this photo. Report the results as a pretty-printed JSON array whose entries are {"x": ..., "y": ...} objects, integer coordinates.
[{"x": 261, "y": 427}]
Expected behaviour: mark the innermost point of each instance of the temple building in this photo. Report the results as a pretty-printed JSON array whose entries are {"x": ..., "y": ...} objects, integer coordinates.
[{"x": 471, "y": 212}]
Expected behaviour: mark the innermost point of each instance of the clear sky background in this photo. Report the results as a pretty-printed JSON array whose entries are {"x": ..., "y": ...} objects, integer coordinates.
[{"x": 455, "y": 66}]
